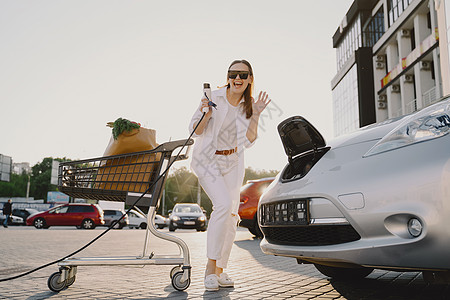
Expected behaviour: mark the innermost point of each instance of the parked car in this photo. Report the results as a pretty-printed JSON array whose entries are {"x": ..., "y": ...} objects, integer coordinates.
[
  {"x": 82, "y": 215},
  {"x": 24, "y": 213},
  {"x": 138, "y": 220},
  {"x": 250, "y": 194},
  {"x": 111, "y": 215},
  {"x": 161, "y": 221},
  {"x": 376, "y": 198},
  {"x": 14, "y": 220},
  {"x": 187, "y": 216}
]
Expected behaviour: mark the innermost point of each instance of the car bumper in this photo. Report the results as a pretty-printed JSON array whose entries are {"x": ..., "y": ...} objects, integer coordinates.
[
  {"x": 383, "y": 253},
  {"x": 188, "y": 224}
]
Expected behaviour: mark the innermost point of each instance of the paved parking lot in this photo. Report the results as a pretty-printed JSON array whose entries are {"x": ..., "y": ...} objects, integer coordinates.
[{"x": 257, "y": 276}]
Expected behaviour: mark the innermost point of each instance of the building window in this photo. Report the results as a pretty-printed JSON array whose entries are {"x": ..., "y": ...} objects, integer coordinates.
[
  {"x": 345, "y": 104},
  {"x": 413, "y": 39},
  {"x": 374, "y": 29},
  {"x": 349, "y": 43},
  {"x": 396, "y": 8}
]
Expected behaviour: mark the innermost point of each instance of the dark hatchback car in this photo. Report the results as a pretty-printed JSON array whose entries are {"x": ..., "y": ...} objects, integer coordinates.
[
  {"x": 187, "y": 216},
  {"x": 250, "y": 193},
  {"x": 24, "y": 213},
  {"x": 81, "y": 215}
]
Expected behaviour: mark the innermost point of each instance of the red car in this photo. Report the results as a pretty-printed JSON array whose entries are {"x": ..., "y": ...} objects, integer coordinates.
[
  {"x": 82, "y": 215},
  {"x": 250, "y": 194}
]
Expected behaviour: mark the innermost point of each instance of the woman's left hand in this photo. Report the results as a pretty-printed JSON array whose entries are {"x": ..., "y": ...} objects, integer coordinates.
[{"x": 260, "y": 105}]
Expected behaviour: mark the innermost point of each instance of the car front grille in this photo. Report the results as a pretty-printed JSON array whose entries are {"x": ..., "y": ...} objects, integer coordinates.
[
  {"x": 312, "y": 235},
  {"x": 293, "y": 212},
  {"x": 188, "y": 218},
  {"x": 288, "y": 223}
]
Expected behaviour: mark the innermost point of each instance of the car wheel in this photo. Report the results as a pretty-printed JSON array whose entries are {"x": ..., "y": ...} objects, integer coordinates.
[
  {"x": 87, "y": 224},
  {"x": 255, "y": 230},
  {"x": 39, "y": 223},
  {"x": 160, "y": 226},
  {"x": 171, "y": 227},
  {"x": 343, "y": 273},
  {"x": 143, "y": 225}
]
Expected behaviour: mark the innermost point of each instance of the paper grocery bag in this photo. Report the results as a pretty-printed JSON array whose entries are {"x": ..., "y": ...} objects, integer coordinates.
[{"x": 132, "y": 172}]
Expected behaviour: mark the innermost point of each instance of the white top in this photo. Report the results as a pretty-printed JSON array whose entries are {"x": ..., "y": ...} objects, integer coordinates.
[
  {"x": 203, "y": 158},
  {"x": 227, "y": 138}
]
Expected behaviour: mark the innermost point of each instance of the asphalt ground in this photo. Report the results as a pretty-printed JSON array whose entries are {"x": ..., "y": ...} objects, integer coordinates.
[{"x": 256, "y": 275}]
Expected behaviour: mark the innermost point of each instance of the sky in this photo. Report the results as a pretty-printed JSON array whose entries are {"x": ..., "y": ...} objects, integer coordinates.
[{"x": 69, "y": 67}]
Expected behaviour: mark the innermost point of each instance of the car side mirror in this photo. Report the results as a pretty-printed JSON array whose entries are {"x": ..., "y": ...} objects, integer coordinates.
[
  {"x": 204, "y": 211},
  {"x": 170, "y": 211}
]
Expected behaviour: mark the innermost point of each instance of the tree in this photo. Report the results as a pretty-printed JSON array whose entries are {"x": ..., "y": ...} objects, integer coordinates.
[
  {"x": 251, "y": 174},
  {"x": 181, "y": 187},
  {"x": 40, "y": 178},
  {"x": 16, "y": 187}
]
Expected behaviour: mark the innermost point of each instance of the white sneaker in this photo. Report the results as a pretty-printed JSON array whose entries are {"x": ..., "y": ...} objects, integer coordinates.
[
  {"x": 211, "y": 282},
  {"x": 225, "y": 281}
]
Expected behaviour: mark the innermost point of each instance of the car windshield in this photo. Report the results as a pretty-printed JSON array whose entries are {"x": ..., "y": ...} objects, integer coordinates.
[{"x": 187, "y": 209}]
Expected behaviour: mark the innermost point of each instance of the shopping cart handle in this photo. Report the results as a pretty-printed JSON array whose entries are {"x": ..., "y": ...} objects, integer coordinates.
[{"x": 170, "y": 146}]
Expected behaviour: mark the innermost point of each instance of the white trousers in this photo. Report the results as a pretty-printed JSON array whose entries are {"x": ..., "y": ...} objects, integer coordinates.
[{"x": 223, "y": 190}]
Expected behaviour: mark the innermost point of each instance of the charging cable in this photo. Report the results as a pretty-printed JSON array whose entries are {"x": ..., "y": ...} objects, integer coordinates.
[{"x": 116, "y": 221}]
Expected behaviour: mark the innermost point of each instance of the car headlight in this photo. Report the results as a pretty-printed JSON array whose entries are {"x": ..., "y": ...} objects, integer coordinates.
[
  {"x": 175, "y": 218},
  {"x": 202, "y": 218},
  {"x": 430, "y": 123}
]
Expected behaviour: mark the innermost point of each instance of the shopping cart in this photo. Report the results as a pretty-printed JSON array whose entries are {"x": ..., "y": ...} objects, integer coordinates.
[{"x": 125, "y": 178}]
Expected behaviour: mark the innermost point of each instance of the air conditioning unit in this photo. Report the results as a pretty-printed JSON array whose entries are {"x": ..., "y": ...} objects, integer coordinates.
[
  {"x": 408, "y": 78},
  {"x": 425, "y": 65},
  {"x": 379, "y": 65},
  {"x": 382, "y": 98},
  {"x": 404, "y": 33},
  {"x": 395, "y": 88},
  {"x": 379, "y": 58},
  {"x": 382, "y": 105}
]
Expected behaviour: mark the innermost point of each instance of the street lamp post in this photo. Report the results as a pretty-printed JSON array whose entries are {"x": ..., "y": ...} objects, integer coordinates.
[{"x": 28, "y": 187}]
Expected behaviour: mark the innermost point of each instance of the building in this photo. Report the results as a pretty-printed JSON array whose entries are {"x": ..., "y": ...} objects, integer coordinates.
[
  {"x": 20, "y": 168},
  {"x": 443, "y": 18},
  {"x": 389, "y": 60}
]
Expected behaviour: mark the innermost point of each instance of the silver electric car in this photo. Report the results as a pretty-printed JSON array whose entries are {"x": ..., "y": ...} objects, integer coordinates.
[{"x": 376, "y": 198}]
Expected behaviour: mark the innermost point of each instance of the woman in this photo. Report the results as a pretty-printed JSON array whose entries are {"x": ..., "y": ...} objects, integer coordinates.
[{"x": 218, "y": 161}]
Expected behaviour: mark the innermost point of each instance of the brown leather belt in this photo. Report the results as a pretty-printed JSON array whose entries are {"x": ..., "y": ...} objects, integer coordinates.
[{"x": 226, "y": 152}]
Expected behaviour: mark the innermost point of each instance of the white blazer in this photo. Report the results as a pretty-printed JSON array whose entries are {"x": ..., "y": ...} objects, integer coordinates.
[{"x": 203, "y": 156}]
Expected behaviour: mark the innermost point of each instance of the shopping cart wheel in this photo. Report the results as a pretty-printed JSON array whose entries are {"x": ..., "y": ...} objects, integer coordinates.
[
  {"x": 54, "y": 284},
  {"x": 70, "y": 281},
  {"x": 174, "y": 270},
  {"x": 177, "y": 284}
]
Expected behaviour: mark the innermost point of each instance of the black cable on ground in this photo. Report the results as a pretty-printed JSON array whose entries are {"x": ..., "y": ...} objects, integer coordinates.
[{"x": 115, "y": 222}]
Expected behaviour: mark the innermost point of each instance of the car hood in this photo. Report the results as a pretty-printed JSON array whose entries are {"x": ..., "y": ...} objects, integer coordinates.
[
  {"x": 34, "y": 214},
  {"x": 368, "y": 133},
  {"x": 299, "y": 136}
]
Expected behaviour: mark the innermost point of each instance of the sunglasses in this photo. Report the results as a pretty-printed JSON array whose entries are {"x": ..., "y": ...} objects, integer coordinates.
[{"x": 242, "y": 74}]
